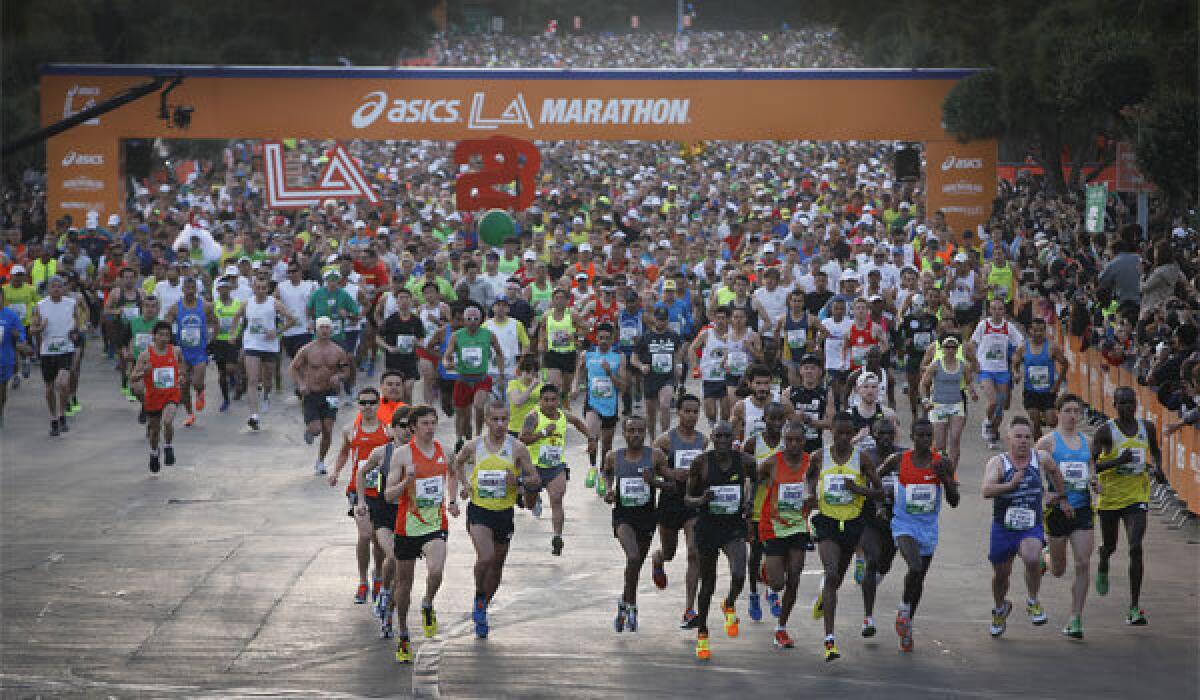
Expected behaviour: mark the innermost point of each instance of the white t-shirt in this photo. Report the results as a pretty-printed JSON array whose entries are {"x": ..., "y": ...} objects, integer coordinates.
[
  {"x": 509, "y": 337},
  {"x": 835, "y": 342},
  {"x": 295, "y": 298},
  {"x": 168, "y": 295},
  {"x": 774, "y": 302},
  {"x": 60, "y": 321},
  {"x": 994, "y": 344},
  {"x": 261, "y": 318}
]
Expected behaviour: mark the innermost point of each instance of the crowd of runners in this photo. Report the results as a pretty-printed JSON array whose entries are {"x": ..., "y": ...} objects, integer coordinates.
[{"x": 733, "y": 332}]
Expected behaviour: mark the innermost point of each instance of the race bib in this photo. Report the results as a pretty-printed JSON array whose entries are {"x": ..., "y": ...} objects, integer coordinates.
[
  {"x": 1075, "y": 476},
  {"x": 225, "y": 323},
  {"x": 129, "y": 312},
  {"x": 406, "y": 343},
  {"x": 429, "y": 492},
  {"x": 737, "y": 362},
  {"x": 889, "y": 486},
  {"x": 833, "y": 351},
  {"x": 190, "y": 337},
  {"x": 714, "y": 372},
  {"x": 684, "y": 458},
  {"x": 858, "y": 354},
  {"x": 57, "y": 344},
  {"x": 332, "y": 402},
  {"x": 920, "y": 499},
  {"x": 994, "y": 352},
  {"x": 560, "y": 339},
  {"x": 371, "y": 478},
  {"x": 634, "y": 492},
  {"x": 834, "y": 490},
  {"x": 791, "y": 498},
  {"x": 492, "y": 484},
  {"x": 661, "y": 362},
  {"x": 628, "y": 334},
  {"x": 811, "y": 432},
  {"x": 141, "y": 341},
  {"x": 602, "y": 388},
  {"x": 550, "y": 456},
  {"x": 1138, "y": 465},
  {"x": 797, "y": 338},
  {"x": 472, "y": 358},
  {"x": 257, "y": 327},
  {"x": 1039, "y": 378},
  {"x": 164, "y": 378},
  {"x": 727, "y": 499},
  {"x": 922, "y": 340},
  {"x": 1019, "y": 518}
]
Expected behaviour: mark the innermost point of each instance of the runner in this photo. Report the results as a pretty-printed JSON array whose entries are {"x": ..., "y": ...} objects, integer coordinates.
[
  {"x": 812, "y": 403},
  {"x": 840, "y": 478},
  {"x": 761, "y": 445},
  {"x": 259, "y": 320},
  {"x": 918, "y": 330},
  {"x": 783, "y": 527},
  {"x": 544, "y": 432},
  {"x": 631, "y": 325},
  {"x": 1070, "y": 450},
  {"x": 58, "y": 322},
  {"x": 713, "y": 345},
  {"x": 793, "y": 330},
  {"x": 500, "y": 467},
  {"x": 224, "y": 350},
  {"x": 523, "y": 394},
  {"x": 12, "y": 342},
  {"x": 863, "y": 335},
  {"x": 632, "y": 475},
  {"x": 877, "y": 545},
  {"x": 992, "y": 344},
  {"x": 472, "y": 350},
  {"x": 294, "y": 292},
  {"x": 121, "y": 307},
  {"x": 400, "y": 335},
  {"x": 191, "y": 318},
  {"x": 917, "y": 479},
  {"x": 21, "y": 297},
  {"x": 720, "y": 487},
  {"x": 681, "y": 444},
  {"x": 157, "y": 374},
  {"x": 557, "y": 342},
  {"x": 359, "y": 439},
  {"x": 1119, "y": 449},
  {"x": 601, "y": 377},
  {"x": 318, "y": 371},
  {"x": 514, "y": 342},
  {"x": 833, "y": 334},
  {"x": 942, "y": 387},
  {"x": 1014, "y": 480},
  {"x": 424, "y": 494},
  {"x": 1045, "y": 370},
  {"x": 658, "y": 359},
  {"x": 743, "y": 348}
]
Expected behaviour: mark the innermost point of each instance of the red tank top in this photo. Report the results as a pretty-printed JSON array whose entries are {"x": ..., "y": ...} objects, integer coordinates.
[
  {"x": 783, "y": 474},
  {"x": 162, "y": 380},
  {"x": 361, "y": 445},
  {"x": 603, "y": 315},
  {"x": 859, "y": 342},
  {"x": 912, "y": 474}
]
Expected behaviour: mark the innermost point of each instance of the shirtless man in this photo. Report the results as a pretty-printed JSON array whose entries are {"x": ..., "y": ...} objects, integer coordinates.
[{"x": 317, "y": 370}]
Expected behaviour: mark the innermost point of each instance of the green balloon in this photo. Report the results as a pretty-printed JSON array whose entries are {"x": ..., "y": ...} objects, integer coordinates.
[{"x": 495, "y": 226}]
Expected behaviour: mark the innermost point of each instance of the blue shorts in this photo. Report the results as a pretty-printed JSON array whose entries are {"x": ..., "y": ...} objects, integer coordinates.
[
  {"x": 1005, "y": 543},
  {"x": 1002, "y": 378},
  {"x": 7, "y": 372},
  {"x": 924, "y": 533},
  {"x": 194, "y": 356}
]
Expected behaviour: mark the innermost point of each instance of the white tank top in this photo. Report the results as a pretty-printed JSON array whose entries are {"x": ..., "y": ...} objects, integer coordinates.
[
  {"x": 510, "y": 342},
  {"x": 431, "y": 317},
  {"x": 295, "y": 298},
  {"x": 712, "y": 358},
  {"x": 60, "y": 321},
  {"x": 352, "y": 290},
  {"x": 754, "y": 423},
  {"x": 260, "y": 317}
]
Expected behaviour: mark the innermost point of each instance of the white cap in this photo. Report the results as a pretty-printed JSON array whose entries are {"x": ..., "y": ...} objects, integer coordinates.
[
  {"x": 360, "y": 224},
  {"x": 231, "y": 270},
  {"x": 769, "y": 248},
  {"x": 961, "y": 257},
  {"x": 529, "y": 255},
  {"x": 585, "y": 247},
  {"x": 381, "y": 231},
  {"x": 664, "y": 243},
  {"x": 904, "y": 205},
  {"x": 114, "y": 220},
  {"x": 323, "y": 321},
  {"x": 17, "y": 270},
  {"x": 577, "y": 221}
]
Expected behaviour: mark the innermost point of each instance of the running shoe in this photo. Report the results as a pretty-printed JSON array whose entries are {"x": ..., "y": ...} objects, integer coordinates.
[
  {"x": 190, "y": 420},
  {"x": 703, "y": 653},
  {"x": 62, "y": 424},
  {"x": 619, "y": 620},
  {"x": 200, "y": 402},
  {"x": 382, "y": 604},
  {"x": 376, "y": 587},
  {"x": 360, "y": 595},
  {"x": 689, "y": 620},
  {"x": 429, "y": 625},
  {"x": 590, "y": 480},
  {"x": 224, "y": 405},
  {"x": 1136, "y": 616},
  {"x": 1074, "y": 628},
  {"x": 783, "y": 640},
  {"x": 1102, "y": 581},
  {"x": 130, "y": 397},
  {"x": 308, "y": 437},
  {"x": 731, "y": 620},
  {"x": 831, "y": 650},
  {"x": 404, "y": 651},
  {"x": 72, "y": 409},
  {"x": 1037, "y": 615},
  {"x": 253, "y": 422},
  {"x": 479, "y": 616},
  {"x": 755, "y": 608},
  {"x": 154, "y": 465},
  {"x": 868, "y": 628},
  {"x": 773, "y": 602},
  {"x": 168, "y": 455},
  {"x": 860, "y": 569},
  {"x": 54, "y": 428},
  {"x": 1000, "y": 619},
  {"x": 385, "y": 627},
  {"x": 904, "y": 630},
  {"x": 659, "y": 576},
  {"x": 631, "y": 618},
  {"x": 556, "y": 545}
]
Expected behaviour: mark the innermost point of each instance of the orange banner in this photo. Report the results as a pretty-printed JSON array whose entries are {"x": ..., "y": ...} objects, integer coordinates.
[
  {"x": 961, "y": 181},
  {"x": 452, "y": 104}
]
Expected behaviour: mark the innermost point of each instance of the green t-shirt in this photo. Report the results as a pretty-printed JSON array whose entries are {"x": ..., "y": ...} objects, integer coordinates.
[
  {"x": 141, "y": 334},
  {"x": 472, "y": 352},
  {"x": 326, "y": 303}
]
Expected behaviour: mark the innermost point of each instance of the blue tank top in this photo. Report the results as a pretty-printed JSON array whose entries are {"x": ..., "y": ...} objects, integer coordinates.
[
  {"x": 1075, "y": 465},
  {"x": 601, "y": 388},
  {"x": 795, "y": 334},
  {"x": 629, "y": 330},
  {"x": 1009, "y": 509},
  {"x": 442, "y": 371},
  {"x": 1039, "y": 368},
  {"x": 191, "y": 330}
]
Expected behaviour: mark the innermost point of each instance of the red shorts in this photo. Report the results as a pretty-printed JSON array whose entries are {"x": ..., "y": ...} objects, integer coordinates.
[
  {"x": 464, "y": 392},
  {"x": 157, "y": 399},
  {"x": 423, "y": 354}
]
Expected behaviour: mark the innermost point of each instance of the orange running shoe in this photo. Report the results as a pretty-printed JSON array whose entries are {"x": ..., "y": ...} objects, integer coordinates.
[
  {"x": 200, "y": 403},
  {"x": 703, "y": 653},
  {"x": 731, "y": 620},
  {"x": 190, "y": 420}
]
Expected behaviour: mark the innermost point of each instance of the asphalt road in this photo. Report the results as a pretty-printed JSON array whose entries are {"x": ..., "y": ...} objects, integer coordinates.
[{"x": 232, "y": 573}]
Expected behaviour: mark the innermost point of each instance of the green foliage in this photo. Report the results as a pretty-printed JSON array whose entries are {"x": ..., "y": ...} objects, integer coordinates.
[
  {"x": 1167, "y": 145},
  {"x": 972, "y": 110}
]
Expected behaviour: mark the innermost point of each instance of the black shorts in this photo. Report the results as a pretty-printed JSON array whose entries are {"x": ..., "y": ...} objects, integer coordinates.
[
  {"x": 411, "y": 548},
  {"x": 672, "y": 513},
  {"x": 292, "y": 343},
  {"x": 845, "y": 533},
  {"x": 642, "y": 520},
  {"x": 780, "y": 546},
  {"x": 500, "y": 522},
  {"x": 224, "y": 352},
  {"x": 1038, "y": 400},
  {"x": 317, "y": 406},
  {"x": 264, "y": 355},
  {"x": 404, "y": 363},
  {"x": 871, "y": 518},
  {"x": 837, "y": 375},
  {"x": 606, "y": 422},
  {"x": 383, "y": 514},
  {"x": 733, "y": 381},
  {"x": 446, "y": 388},
  {"x": 1113, "y": 518},
  {"x": 713, "y": 533},
  {"x": 714, "y": 389},
  {"x": 561, "y": 361},
  {"x": 654, "y": 383},
  {"x": 53, "y": 364},
  {"x": 1059, "y": 525}
]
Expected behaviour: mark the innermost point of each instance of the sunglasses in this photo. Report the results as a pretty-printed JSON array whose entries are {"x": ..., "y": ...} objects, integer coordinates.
[{"x": 363, "y": 402}]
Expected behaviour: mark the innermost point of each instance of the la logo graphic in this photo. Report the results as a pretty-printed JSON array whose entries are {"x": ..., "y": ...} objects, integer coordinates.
[{"x": 341, "y": 179}]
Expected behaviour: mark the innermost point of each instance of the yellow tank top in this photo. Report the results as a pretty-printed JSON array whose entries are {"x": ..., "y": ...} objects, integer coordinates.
[
  {"x": 762, "y": 452},
  {"x": 520, "y": 410},
  {"x": 836, "y": 501},
  {"x": 547, "y": 452},
  {"x": 560, "y": 333},
  {"x": 489, "y": 480},
  {"x": 1001, "y": 277},
  {"x": 1128, "y": 484}
]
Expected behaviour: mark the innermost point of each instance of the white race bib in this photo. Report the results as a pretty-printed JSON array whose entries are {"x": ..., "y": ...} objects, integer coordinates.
[
  {"x": 164, "y": 378},
  {"x": 550, "y": 456},
  {"x": 834, "y": 490},
  {"x": 922, "y": 339},
  {"x": 129, "y": 312},
  {"x": 628, "y": 334},
  {"x": 492, "y": 483},
  {"x": 406, "y": 343},
  {"x": 737, "y": 362},
  {"x": 727, "y": 499},
  {"x": 791, "y": 497},
  {"x": 225, "y": 323},
  {"x": 429, "y": 491},
  {"x": 661, "y": 362},
  {"x": 1039, "y": 378},
  {"x": 684, "y": 458},
  {"x": 190, "y": 336},
  {"x": 602, "y": 387},
  {"x": 1019, "y": 518},
  {"x": 797, "y": 338},
  {"x": 371, "y": 478},
  {"x": 634, "y": 492},
  {"x": 58, "y": 344},
  {"x": 1075, "y": 475},
  {"x": 472, "y": 357},
  {"x": 920, "y": 499}
]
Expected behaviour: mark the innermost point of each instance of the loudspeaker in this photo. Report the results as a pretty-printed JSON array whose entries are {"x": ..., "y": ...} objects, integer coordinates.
[
  {"x": 908, "y": 164},
  {"x": 139, "y": 158}
]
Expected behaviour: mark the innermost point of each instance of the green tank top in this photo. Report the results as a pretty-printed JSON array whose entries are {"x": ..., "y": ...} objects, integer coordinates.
[
  {"x": 225, "y": 314},
  {"x": 560, "y": 333},
  {"x": 508, "y": 267},
  {"x": 547, "y": 452},
  {"x": 1000, "y": 277},
  {"x": 472, "y": 352},
  {"x": 520, "y": 410},
  {"x": 541, "y": 297},
  {"x": 142, "y": 333}
]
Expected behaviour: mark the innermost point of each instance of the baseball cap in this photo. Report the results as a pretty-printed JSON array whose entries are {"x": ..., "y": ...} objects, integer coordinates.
[
  {"x": 17, "y": 270},
  {"x": 333, "y": 273},
  {"x": 661, "y": 312},
  {"x": 231, "y": 270},
  {"x": 529, "y": 255},
  {"x": 961, "y": 257},
  {"x": 585, "y": 247},
  {"x": 810, "y": 359},
  {"x": 324, "y": 321},
  {"x": 669, "y": 284}
]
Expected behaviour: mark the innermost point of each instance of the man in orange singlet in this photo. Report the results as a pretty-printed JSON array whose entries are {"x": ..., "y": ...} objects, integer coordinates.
[{"x": 156, "y": 374}]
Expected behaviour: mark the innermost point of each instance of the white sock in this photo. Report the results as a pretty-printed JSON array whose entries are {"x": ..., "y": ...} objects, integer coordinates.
[
  {"x": 906, "y": 609},
  {"x": 780, "y": 628},
  {"x": 167, "y": 445}
]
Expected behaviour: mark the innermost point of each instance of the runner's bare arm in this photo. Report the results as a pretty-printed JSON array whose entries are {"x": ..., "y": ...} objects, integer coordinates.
[
  {"x": 890, "y": 465},
  {"x": 402, "y": 462},
  {"x": 1155, "y": 451},
  {"x": 464, "y": 457},
  {"x": 529, "y": 434},
  {"x": 296, "y": 366},
  {"x": 698, "y": 495},
  {"x": 343, "y": 455},
  {"x": 524, "y": 462},
  {"x": 992, "y": 484}
]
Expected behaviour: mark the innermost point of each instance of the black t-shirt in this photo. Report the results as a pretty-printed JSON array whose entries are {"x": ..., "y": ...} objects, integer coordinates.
[
  {"x": 403, "y": 334},
  {"x": 653, "y": 346},
  {"x": 555, "y": 272},
  {"x": 919, "y": 331},
  {"x": 815, "y": 301}
]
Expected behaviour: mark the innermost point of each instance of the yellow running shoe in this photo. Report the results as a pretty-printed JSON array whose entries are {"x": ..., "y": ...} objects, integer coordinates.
[
  {"x": 831, "y": 650},
  {"x": 403, "y": 651},
  {"x": 703, "y": 653},
  {"x": 428, "y": 621},
  {"x": 818, "y": 605},
  {"x": 731, "y": 620}
]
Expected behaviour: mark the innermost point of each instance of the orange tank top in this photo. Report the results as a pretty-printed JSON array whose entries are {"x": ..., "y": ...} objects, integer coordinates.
[
  {"x": 412, "y": 516},
  {"x": 162, "y": 380},
  {"x": 361, "y": 444},
  {"x": 783, "y": 474}
]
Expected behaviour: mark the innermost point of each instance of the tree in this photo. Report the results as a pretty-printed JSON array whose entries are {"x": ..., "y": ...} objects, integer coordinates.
[{"x": 1165, "y": 129}]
